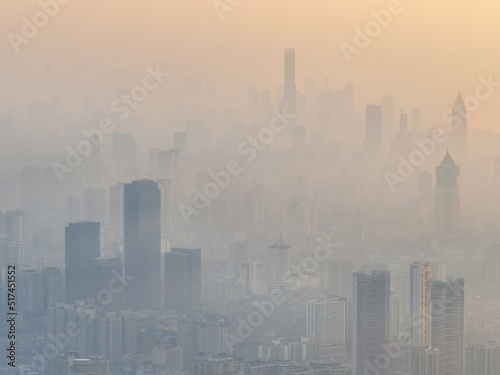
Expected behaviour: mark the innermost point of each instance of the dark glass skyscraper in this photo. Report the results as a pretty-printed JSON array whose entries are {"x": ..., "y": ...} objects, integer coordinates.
[
  {"x": 183, "y": 279},
  {"x": 142, "y": 243},
  {"x": 82, "y": 244}
]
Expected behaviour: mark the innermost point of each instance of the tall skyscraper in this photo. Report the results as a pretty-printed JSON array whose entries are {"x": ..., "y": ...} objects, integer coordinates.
[
  {"x": 445, "y": 327},
  {"x": 325, "y": 321},
  {"x": 142, "y": 244},
  {"x": 447, "y": 198},
  {"x": 459, "y": 129},
  {"x": 482, "y": 359},
  {"x": 182, "y": 279},
  {"x": 419, "y": 280},
  {"x": 395, "y": 317},
  {"x": 290, "y": 94},
  {"x": 424, "y": 361},
  {"x": 82, "y": 244},
  {"x": 370, "y": 322},
  {"x": 279, "y": 260}
]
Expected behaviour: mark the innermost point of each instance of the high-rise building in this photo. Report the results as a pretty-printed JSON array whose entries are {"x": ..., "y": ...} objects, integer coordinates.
[
  {"x": 166, "y": 207},
  {"x": 447, "y": 198},
  {"x": 419, "y": 280},
  {"x": 325, "y": 321},
  {"x": 182, "y": 269},
  {"x": 171, "y": 358},
  {"x": 279, "y": 260},
  {"x": 53, "y": 286},
  {"x": 445, "y": 327},
  {"x": 459, "y": 129},
  {"x": 370, "y": 321},
  {"x": 82, "y": 244},
  {"x": 142, "y": 244},
  {"x": 13, "y": 236},
  {"x": 424, "y": 361},
  {"x": 395, "y": 311},
  {"x": 95, "y": 205},
  {"x": 482, "y": 359},
  {"x": 106, "y": 272},
  {"x": 30, "y": 291},
  {"x": 290, "y": 91}
]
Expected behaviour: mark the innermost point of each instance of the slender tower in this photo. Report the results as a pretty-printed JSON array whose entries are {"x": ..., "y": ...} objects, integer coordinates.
[
  {"x": 447, "y": 198},
  {"x": 459, "y": 129},
  {"x": 290, "y": 94}
]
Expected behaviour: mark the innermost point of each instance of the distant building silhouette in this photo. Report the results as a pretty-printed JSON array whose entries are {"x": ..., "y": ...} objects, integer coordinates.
[
  {"x": 82, "y": 244},
  {"x": 182, "y": 269},
  {"x": 142, "y": 244},
  {"x": 458, "y": 142},
  {"x": 447, "y": 198}
]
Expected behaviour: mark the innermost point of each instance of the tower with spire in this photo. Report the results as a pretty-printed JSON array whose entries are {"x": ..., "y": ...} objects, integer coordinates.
[
  {"x": 447, "y": 198},
  {"x": 459, "y": 129}
]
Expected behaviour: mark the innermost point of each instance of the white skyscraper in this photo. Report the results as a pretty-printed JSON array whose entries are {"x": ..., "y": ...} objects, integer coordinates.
[
  {"x": 326, "y": 321},
  {"x": 482, "y": 359}
]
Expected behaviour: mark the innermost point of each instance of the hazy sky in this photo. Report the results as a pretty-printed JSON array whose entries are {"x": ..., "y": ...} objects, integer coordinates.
[{"x": 423, "y": 57}]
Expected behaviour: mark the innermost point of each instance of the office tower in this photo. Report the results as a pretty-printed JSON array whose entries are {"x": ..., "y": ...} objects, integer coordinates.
[
  {"x": 187, "y": 338},
  {"x": 458, "y": 142},
  {"x": 116, "y": 207},
  {"x": 340, "y": 277},
  {"x": 182, "y": 269},
  {"x": 30, "y": 291},
  {"x": 395, "y": 319},
  {"x": 221, "y": 364},
  {"x": 213, "y": 331},
  {"x": 142, "y": 244},
  {"x": 95, "y": 205},
  {"x": 492, "y": 264},
  {"x": 124, "y": 157},
  {"x": 279, "y": 260},
  {"x": 445, "y": 327},
  {"x": 325, "y": 321},
  {"x": 166, "y": 207},
  {"x": 482, "y": 359},
  {"x": 53, "y": 286},
  {"x": 373, "y": 139},
  {"x": 370, "y": 321},
  {"x": 107, "y": 274},
  {"x": 169, "y": 357},
  {"x": 415, "y": 120},
  {"x": 387, "y": 108},
  {"x": 82, "y": 244},
  {"x": 447, "y": 198},
  {"x": 419, "y": 280},
  {"x": 424, "y": 361},
  {"x": 290, "y": 91}
]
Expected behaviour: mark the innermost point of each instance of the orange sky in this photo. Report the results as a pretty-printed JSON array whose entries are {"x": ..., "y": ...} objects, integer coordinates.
[{"x": 425, "y": 55}]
